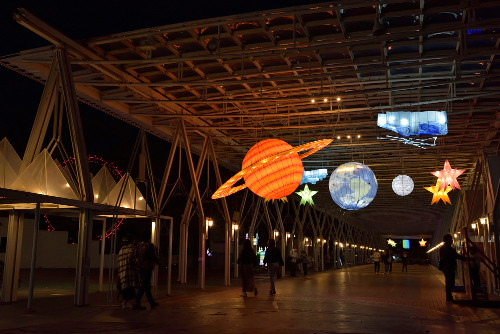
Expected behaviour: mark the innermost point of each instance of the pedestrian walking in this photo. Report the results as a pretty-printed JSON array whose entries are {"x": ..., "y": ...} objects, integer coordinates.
[
  {"x": 387, "y": 261},
  {"x": 305, "y": 261},
  {"x": 294, "y": 256},
  {"x": 274, "y": 261},
  {"x": 127, "y": 271},
  {"x": 448, "y": 265},
  {"x": 147, "y": 259},
  {"x": 376, "y": 261},
  {"x": 247, "y": 261},
  {"x": 404, "y": 260}
]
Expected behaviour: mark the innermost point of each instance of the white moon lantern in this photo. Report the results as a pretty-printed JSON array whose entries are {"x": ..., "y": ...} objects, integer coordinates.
[{"x": 402, "y": 185}]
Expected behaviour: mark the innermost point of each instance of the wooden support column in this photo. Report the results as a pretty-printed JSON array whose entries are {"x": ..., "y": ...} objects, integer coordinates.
[
  {"x": 227, "y": 218},
  {"x": 83, "y": 257},
  {"x": 34, "y": 247},
  {"x": 169, "y": 263},
  {"x": 201, "y": 214},
  {"x": 12, "y": 256},
  {"x": 155, "y": 240},
  {"x": 103, "y": 249},
  {"x": 283, "y": 236},
  {"x": 187, "y": 212},
  {"x": 251, "y": 230}
]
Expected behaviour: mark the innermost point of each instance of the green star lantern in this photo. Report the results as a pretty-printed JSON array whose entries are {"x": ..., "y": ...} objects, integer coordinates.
[{"x": 306, "y": 195}]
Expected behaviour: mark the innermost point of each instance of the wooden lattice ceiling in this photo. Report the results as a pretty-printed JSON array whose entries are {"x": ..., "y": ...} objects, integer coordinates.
[{"x": 247, "y": 77}]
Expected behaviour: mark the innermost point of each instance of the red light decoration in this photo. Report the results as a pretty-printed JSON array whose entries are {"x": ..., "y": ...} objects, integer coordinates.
[
  {"x": 272, "y": 169},
  {"x": 114, "y": 170},
  {"x": 448, "y": 176}
]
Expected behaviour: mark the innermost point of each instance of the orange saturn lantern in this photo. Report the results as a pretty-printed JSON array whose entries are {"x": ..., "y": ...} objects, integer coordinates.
[{"x": 271, "y": 169}]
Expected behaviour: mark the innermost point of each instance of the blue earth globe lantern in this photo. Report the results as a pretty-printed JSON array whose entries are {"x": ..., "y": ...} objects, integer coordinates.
[{"x": 353, "y": 186}]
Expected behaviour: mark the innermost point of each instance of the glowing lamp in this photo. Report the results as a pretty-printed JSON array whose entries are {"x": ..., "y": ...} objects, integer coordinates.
[
  {"x": 414, "y": 123},
  {"x": 448, "y": 176},
  {"x": 402, "y": 185},
  {"x": 439, "y": 194},
  {"x": 423, "y": 242},
  {"x": 306, "y": 195}
]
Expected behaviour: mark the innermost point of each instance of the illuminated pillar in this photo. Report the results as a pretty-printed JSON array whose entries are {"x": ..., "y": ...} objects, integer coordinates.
[
  {"x": 83, "y": 258},
  {"x": 155, "y": 240},
  {"x": 12, "y": 256},
  {"x": 103, "y": 248}
]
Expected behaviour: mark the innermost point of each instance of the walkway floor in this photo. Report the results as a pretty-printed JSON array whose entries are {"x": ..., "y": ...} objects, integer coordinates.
[{"x": 353, "y": 300}]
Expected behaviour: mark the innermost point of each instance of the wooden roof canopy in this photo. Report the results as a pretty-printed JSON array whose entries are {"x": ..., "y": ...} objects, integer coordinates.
[{"x": 244, "y": 78}]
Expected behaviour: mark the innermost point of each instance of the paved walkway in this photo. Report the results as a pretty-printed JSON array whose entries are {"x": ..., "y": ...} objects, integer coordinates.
[{"x": 353, "y": 300}]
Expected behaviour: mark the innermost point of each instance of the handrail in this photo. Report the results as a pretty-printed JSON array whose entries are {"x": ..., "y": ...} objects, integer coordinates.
[{"x": 494, "y": 269}]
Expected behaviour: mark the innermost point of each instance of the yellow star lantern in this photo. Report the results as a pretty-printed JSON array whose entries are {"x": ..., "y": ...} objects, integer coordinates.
[
  {"x": 391, "y": 242},
  {"x": 306, "y": 195},
  {"x": 422, "y": 243},
  {"x": 448, "y": 176},
  {"x": 439, "y": 194}
]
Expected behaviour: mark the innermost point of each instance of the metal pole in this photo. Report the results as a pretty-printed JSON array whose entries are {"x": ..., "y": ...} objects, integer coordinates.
[
  {"x": 155, "y": 240},
  {"x": 33, "y": 257},
  {"x": 236, "y": 251},
  {"x": 169, "y": 280},
  {"x": 103, "y": 249}
]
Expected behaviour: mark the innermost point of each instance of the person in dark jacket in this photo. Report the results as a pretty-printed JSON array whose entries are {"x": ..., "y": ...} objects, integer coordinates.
[
  {"x": 448, "y": 265},
  {"x": 147, "y": 259},
  {"x": 274, "y": 261},
  {"x": 247, "y": 261}
]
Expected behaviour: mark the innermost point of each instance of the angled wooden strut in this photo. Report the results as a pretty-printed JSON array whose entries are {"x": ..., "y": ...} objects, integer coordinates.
[
  {"x": 227, "y": 218},
  {"x": 180, "y": 134},
  {"x": 60, "y": 87}
]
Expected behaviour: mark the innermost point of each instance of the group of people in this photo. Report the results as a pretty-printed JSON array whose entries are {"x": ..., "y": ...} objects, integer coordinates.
[
  {"x": 296, "y": 259},
  {"x": 386, "y": 258},
  {"x": 447, "y": 264},
  {"x": 136, "y": 263},
  {"x": 248, "y": 261}
]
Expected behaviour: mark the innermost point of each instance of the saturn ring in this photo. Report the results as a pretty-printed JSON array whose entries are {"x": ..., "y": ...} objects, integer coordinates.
[{"x": 227, "y": 188}]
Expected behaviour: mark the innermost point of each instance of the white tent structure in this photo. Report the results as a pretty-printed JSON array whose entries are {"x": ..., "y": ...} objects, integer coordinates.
[
  {"x": 131, "y": 198},
  {"x": 43, "y": 176},
  {"x": 10, "y": 163},
  {"x": 102, "y": 184}
]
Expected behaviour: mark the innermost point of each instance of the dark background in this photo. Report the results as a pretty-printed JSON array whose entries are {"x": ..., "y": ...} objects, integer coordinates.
[{"x": 106, "y": 136}]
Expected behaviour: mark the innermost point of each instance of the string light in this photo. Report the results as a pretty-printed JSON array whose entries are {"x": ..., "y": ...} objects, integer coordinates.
[
  {"x": 436, "y": 247},
  {"x": 50, "y": 228}
]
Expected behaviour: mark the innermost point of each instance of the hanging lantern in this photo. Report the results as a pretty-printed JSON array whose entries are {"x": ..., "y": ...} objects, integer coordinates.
[
  {"x": 448, "y": 176},
  {"x": 402, "y": 185},
  {"x": 353, "y": 186},
  {"x": 439, "y": 194},
  {"x": 306, "y": 195},
  {"x": 414, "y": 123},
  {"x": 272, "y": 169}
]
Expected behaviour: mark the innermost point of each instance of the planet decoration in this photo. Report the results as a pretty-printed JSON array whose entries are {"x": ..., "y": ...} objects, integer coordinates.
[
  {"x": 353, "y": 186},
  {"x": 402, "y": 185},
  {"x": 272, "y": 169}
]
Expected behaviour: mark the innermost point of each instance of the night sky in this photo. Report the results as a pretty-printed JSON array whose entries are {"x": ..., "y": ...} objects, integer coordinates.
[{"x": 105, "y": 136}]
